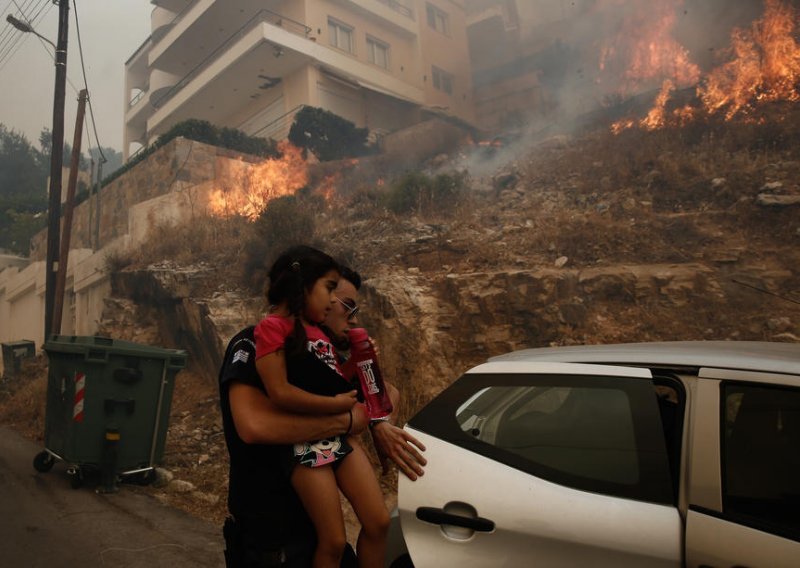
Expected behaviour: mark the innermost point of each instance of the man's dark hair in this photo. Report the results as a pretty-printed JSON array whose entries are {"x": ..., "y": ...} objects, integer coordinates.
[{"x": 351, "y": 276}]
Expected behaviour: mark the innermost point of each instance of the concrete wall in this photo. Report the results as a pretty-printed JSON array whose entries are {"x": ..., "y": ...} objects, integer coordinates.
[{"x": 171, "y": 185}]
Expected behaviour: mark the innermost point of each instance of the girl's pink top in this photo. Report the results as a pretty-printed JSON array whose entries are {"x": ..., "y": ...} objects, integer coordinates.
[{"x": 272, "y": 331}]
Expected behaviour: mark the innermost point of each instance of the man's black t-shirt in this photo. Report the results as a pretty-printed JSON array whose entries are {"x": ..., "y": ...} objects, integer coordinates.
[{"x": 258, "y": 489}]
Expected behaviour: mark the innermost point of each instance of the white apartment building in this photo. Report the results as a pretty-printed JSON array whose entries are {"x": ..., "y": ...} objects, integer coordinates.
[{"x": 252, "y": 64}]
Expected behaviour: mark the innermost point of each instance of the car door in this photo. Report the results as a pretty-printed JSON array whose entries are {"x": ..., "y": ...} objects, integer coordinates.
[
  {"x": 542, "y": 464},
  {"x": 745, "y": 478}
]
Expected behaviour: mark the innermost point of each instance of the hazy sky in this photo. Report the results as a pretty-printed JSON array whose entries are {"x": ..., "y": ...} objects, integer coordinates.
[{"x": 111, "y": 30}]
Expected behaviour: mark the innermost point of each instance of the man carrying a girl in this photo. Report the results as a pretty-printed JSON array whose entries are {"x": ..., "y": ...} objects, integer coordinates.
[{"x": 291, "y": 450}]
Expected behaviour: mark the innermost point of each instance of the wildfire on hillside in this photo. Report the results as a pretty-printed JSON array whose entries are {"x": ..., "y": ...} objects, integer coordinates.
[
  {"x": 274, "y": 177},
  {"x": 763, "y": 65},
  {"x": 644, "y": 50}
]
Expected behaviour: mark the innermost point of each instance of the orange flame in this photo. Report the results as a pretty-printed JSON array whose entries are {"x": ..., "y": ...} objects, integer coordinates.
[
  {"x": 274, "y": 177},
  {"x": 327, "y": 187},
  {"x": 766, "y": 66},
  {"x": 644, "y": 51},
  {"x": 656, "y": 117}
]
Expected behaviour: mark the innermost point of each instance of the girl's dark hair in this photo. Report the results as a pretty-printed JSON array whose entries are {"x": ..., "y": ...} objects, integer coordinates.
[{"x": 292, "y": 275}]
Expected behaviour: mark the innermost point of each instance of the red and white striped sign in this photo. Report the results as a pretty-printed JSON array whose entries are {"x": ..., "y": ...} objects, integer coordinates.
[{"x": 80, "y": 386}]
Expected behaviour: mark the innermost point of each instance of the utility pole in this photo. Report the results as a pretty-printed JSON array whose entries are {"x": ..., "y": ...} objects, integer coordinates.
[
  {"x": 61, "y": 275},
  {"x": 56, "y": 161}
]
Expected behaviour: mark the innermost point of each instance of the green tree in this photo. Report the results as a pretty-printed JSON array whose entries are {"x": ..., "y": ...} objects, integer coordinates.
[
  {"x": 20, "y": 172},
  {"x": 45, "y": 143},
  {"x": 23, "y": 191},
  {"x": 113, "y": 158},
  {"x": 327, "y": 135},
  {"x": 20, "y": 219}
]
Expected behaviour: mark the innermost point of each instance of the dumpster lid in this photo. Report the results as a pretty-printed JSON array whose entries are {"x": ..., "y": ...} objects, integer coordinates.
[{"x": 83, "y": 343}]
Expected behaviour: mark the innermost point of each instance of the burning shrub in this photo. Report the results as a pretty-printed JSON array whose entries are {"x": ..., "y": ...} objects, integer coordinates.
[
  {"x": 286, "y": 221},
  {"x": 327, "y": 135},
  {"x": 420, "y": 193}
]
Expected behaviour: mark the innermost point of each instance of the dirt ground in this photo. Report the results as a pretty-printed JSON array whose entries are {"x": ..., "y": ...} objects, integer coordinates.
[{"x": 195, "y": 453}]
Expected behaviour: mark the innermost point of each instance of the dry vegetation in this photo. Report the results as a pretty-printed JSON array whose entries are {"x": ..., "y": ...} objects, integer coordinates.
[{"x": 669, "y": 196}]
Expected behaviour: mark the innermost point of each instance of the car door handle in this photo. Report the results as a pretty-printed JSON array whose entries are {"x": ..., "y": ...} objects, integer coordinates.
[{"x": 440, "y": 517}]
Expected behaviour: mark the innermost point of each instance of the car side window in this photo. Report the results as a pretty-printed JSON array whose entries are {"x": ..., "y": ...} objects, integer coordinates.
[
  {"x": 600, "y": 434},
  {"x": 586, "y": 432},
  {"x": 761, "y": 457}
]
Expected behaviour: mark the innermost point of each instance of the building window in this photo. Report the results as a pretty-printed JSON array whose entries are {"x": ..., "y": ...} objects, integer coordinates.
[
  {"x": 341, "y": 36},
  {"x": 442, "y": 80},
  {"x": 437, "y": 19},
  {"x": 377, "y": 52}
]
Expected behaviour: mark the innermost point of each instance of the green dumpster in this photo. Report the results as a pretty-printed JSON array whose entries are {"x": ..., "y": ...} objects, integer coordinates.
[
  {"x": 108, "y": 404},
  {"x": 13, "y": 354}
]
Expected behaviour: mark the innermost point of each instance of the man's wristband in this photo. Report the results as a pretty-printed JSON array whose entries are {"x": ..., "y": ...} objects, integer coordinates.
[{"x": 376, "y": 421}]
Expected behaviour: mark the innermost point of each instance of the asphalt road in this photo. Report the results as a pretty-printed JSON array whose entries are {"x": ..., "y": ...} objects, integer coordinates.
[{"x": 46, "y": 523}]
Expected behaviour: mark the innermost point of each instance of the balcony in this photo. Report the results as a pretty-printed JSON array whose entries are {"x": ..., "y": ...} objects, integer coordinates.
[
  {"x": 172, "y": 5},
  {"x": 399, "y": 8},
  {"x": 387, "y": 12},
  {"x": 504, "y": 13},
  {"x": 262, "y": 16},
  {"x": 252, "y": 63}
]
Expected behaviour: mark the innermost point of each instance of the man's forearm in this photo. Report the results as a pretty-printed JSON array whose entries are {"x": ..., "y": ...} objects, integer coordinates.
[{"x": 259, "y": 421}]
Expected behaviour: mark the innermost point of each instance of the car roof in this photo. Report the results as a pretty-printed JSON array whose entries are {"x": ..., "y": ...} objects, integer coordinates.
[{"x": 769, "y": 357}]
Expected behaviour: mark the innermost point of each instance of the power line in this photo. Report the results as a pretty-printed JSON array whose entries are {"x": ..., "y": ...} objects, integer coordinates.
[
  {"x": 11, "y": 36},
  {"x": 85, "y": 82},
  {"x": 12, "y": 42},
  {"x": 8, "y": 28},
  {"x": 16, "y": 41},
  {"x": 21, "y": 36},
  {"x": 22, "y": 11}
]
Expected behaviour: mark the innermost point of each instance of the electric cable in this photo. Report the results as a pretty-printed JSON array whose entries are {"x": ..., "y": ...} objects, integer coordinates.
[
  {"x": 11, "y": 36},
  {"x": 7, "y": 53},
  {"x": 86, "y": 83}
]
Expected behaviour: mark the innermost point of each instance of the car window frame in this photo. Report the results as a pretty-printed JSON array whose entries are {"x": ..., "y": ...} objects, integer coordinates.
[
  {"x": 438, "y": 419},
  {"x": 736, "y": 517}
]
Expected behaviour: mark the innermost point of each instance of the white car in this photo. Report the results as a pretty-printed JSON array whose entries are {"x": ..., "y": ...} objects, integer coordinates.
[{"x": 641, "y": 455}]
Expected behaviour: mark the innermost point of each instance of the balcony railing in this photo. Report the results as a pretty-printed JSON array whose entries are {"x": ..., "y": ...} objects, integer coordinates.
[
  {"x": 261, "y": 16},
  {"x": 138, "y": 97},
  {"x": 398, "y": 7}
]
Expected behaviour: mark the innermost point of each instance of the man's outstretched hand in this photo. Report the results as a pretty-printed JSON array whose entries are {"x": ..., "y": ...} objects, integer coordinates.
[{"x": 397, "y": 445}]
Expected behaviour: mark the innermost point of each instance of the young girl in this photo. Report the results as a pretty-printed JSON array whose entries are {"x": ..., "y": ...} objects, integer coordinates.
[{"x": 298, "y": 365}]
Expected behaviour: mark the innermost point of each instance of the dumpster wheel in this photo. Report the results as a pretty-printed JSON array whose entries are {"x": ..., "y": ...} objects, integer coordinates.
[
  {"x": 75, "y": 477},
  {"x": 43, "y": 462}
]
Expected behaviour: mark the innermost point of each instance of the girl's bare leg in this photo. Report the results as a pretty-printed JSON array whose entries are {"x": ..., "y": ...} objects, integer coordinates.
[
  {"x": 357, "y": 481},
  {"x": 317, "y": 489}
]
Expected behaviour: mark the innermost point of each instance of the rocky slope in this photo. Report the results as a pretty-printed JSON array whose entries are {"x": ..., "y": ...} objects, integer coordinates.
[{"x": 593, "y": 239}]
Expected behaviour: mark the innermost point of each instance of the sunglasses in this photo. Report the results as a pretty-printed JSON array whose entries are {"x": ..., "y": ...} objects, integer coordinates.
[{"x": 350, "y": 306}]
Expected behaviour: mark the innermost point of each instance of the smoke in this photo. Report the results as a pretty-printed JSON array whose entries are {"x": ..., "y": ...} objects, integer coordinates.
[{"x": 586, "y": 56}]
